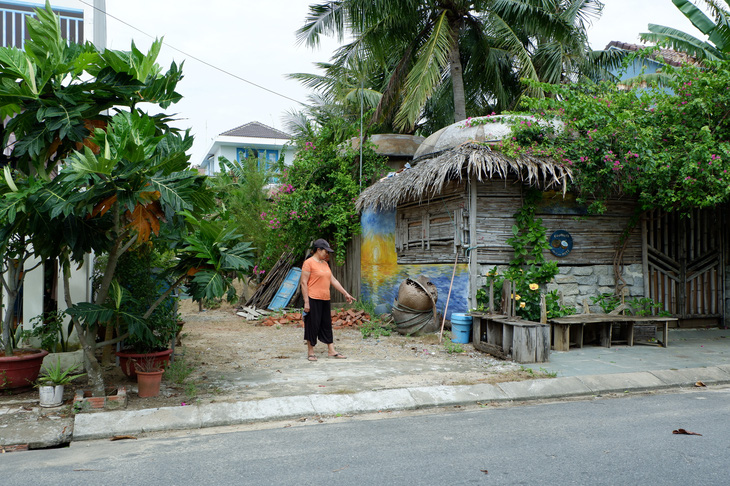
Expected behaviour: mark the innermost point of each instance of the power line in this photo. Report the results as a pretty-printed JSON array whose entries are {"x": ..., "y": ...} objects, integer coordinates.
[{"x": 194, "y": 57}]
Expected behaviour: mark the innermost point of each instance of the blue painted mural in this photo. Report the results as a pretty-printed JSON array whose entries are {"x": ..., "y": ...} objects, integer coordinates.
[{"x": 381, "y": 274}]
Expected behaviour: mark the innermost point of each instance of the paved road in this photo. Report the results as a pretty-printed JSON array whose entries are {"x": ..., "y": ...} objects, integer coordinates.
[{"x": 625, "y": 440}]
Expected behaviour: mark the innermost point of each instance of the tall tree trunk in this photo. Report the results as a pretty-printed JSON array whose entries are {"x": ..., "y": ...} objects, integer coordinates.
[
  {"x": 457, "y": 76},
  {"x": 111, "y": 263},
  {"x": 8, "y": 322},
  {"x": 12, "y": 280}
]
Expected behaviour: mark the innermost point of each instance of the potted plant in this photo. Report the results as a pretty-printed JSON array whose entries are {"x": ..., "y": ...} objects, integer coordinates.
[
  {"x": 149, "y": 377},
  {"x": 141, "y": 276},
  {"x": 19, "y": 367},
  {"x": 47, "y": 331},
  {"x": 52, "y": 381}
]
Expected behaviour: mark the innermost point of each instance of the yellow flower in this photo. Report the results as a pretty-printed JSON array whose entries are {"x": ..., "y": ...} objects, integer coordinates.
[
  {"x": 534, "y": 286},
  {"x": 516, "y": 296},
  {"x": 522, "y": 305}
]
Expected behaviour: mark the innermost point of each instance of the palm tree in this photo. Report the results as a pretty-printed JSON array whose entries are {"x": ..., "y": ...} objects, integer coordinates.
[
  {"x": 480, "y": 49},
  {"x": 717, "y": 46},
  {"x": 340, "y": 96}
]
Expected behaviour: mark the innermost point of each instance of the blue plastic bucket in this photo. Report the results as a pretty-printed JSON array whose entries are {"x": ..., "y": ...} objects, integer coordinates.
[{"x": 460, "y": 328}]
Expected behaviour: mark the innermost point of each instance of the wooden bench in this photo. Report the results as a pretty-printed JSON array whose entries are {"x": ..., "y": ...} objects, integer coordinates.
[
  {"x": 500, "y": 336},
  {"x": 565, "y": 328}
]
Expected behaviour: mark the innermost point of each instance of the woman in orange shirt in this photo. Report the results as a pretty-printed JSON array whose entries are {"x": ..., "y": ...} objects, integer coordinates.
[{"x": 316, "y": 280}]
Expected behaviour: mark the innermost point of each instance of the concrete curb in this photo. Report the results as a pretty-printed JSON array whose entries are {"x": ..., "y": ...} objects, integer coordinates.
[{"x": 99, "y": 425}]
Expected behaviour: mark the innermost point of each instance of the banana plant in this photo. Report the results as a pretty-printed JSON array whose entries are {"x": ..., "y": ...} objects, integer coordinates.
[{"x": 717, "y": 46}]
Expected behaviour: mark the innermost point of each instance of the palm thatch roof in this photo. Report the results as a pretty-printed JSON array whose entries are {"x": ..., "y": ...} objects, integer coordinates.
[{"x": 433, "y": 171}]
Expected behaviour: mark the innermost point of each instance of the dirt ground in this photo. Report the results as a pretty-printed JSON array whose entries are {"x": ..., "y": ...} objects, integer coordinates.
[
  {"x": 216, "y": 344},
  {"x": 222, "y": 351}
]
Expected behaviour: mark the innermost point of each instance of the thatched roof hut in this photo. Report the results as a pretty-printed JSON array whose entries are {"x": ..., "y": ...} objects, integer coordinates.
[{"x": 431, "y": 172}]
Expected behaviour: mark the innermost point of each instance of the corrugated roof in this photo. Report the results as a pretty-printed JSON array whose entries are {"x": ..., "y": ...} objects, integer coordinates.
[
  {"x": 668, "y": 56},
  {"x": 255, "y": 129}
]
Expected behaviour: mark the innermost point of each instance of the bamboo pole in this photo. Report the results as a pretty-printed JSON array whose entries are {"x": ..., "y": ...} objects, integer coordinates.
[{"x": 448, "y": 296}]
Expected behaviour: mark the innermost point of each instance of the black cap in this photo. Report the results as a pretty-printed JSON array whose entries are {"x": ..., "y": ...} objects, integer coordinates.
[{"x": 320, "y": 243}]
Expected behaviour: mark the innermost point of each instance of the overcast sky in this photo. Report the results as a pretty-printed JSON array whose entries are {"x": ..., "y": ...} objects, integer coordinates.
[{"x": 255, "y": 40}]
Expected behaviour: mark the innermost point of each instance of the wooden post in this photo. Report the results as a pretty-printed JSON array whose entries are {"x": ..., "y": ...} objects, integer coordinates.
[
  {"x": 524, "y": 342},
  {"x": 586, "y": 307},
  {"x": 542, "y": 347},
  {"x": 561, "y": 337},
  {"x": 543, "y": 309},
  {"x": 473, "y": 252},
  {"x": 448, "y": 296}
]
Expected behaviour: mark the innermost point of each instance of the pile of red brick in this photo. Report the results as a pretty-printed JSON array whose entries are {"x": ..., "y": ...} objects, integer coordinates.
[{"x": 340, "y": 319}]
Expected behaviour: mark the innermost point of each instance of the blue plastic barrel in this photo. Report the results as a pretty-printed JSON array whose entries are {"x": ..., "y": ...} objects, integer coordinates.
[{"x": 460, "y": 328}]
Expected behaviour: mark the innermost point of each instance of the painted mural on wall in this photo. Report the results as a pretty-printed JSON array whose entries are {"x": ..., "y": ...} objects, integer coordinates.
[{"x": 381, "y": 274}]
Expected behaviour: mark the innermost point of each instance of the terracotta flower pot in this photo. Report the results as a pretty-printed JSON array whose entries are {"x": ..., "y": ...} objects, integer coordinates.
[
  {"x": 126, "y": 360},
  {"x": 21, "y": 369},
  {"x": 148, "y": 383}
]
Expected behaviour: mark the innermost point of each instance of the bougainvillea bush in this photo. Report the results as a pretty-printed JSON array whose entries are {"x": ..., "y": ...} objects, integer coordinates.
[
  {"x": 316, "y": 196},
  {"x": 669, "y": 147}
]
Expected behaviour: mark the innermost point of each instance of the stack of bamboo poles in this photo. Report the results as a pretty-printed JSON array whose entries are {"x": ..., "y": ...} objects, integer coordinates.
[{"x": 273, "y": 280}]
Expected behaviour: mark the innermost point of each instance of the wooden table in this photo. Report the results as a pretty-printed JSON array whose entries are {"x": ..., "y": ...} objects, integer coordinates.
[
  {"x": 572, "y": 326},
  {"x": 525, "y": 341}
]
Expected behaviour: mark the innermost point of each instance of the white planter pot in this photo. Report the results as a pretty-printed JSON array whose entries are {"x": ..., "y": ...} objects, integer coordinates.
[{"x": 51, "y": 396}]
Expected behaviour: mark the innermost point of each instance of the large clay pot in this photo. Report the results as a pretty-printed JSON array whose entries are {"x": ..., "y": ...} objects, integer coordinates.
[
  {"x": 148, "y": 383},
  {"x": 126, "y": 360},
  {"x": 21, "y": 369}
]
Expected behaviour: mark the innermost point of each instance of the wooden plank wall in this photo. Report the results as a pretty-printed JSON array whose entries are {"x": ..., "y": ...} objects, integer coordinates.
[
  {"x": 595, "y": 236},
  {"x": 428, "y": 232},
  {"x": 497, "y": 201},
  {"x": 424, "y": 236},
  {"x": 349, "y": 273},
  {"x": 684, "y": 261}
]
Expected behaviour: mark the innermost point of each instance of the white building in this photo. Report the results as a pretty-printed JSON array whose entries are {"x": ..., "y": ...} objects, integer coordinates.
[
  {"x": 76, "y": 20},
  {"x": 252, "y": 139}
]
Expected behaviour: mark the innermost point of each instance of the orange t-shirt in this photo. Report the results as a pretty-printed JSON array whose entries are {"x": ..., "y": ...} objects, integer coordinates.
[{"x": 320, "y": 278}]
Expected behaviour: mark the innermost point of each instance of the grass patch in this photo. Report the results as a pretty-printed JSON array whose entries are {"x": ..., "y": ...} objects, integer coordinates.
[{"x": 179, "y": 370}]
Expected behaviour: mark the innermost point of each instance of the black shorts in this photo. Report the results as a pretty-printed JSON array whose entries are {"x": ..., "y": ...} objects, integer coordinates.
[{"x": 318, "y": 322}]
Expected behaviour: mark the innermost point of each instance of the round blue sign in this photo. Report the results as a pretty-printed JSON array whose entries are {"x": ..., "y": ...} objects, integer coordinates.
[{"x": 560, "y": 243}]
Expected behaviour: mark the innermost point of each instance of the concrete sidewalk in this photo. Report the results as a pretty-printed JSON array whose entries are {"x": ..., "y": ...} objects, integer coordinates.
[{"x": 692, "y": 356}]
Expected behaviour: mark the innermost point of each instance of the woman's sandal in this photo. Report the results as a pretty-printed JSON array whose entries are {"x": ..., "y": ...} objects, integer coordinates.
[
  {"x": 337, "y": 356},
  {"x": 312, "y": 357}
]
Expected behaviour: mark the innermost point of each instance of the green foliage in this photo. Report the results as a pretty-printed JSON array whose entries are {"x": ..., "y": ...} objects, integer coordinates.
[
  {"x": 240, "y": 188},
  {"x": 435, "y": 61},
  {"x": 528, "y": 270},
  {"x": 178, "y": 370},
  {"x": 645, "y": 306},
  {"x": 668, "y": 148},
  {"x": 717, "y": 45},
  {"x": 450, "y": 346},
  {"x": 215, "y": 255},
  {"x": 375, "y": 329},
  {"x": 55, "y": 375},
  {"x": 141, "y": 273},
  {"x": 49, "y": 329},
  {"x": 317, "y": 195},
  {"x": 638, "y": 306},
  {"x": 608, "y": 302}
]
